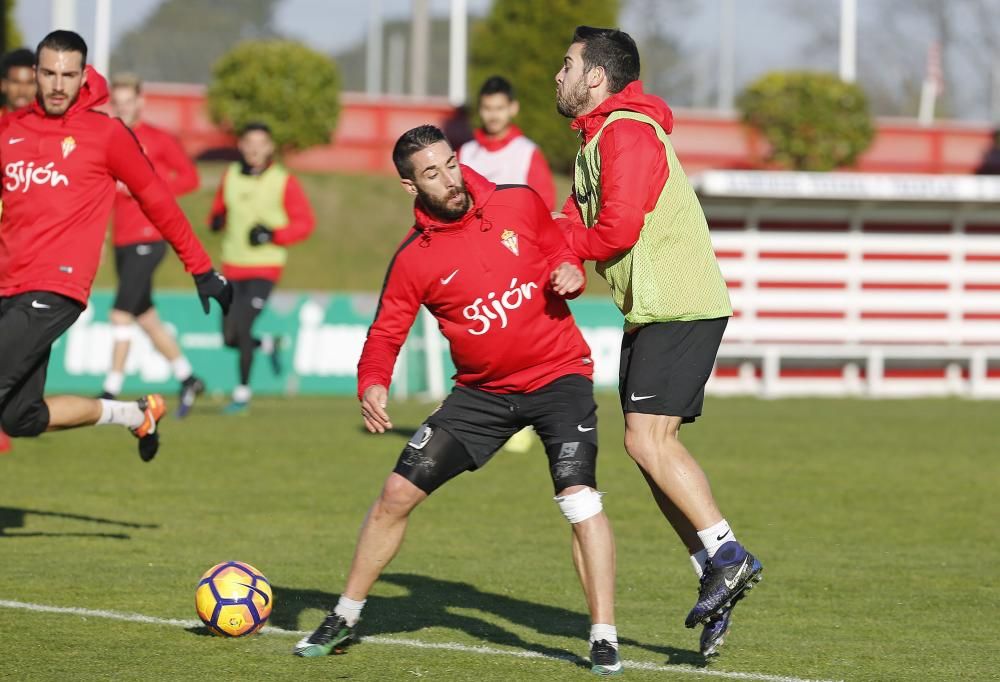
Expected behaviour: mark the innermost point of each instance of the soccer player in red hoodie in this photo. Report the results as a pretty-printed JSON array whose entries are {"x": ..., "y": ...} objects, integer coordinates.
[
  {"x": 61, "y": 161},
  {"x": 139, "y": 249},
  {"x": 634, "y": 212},
  {"x": 490, "y": 265}
]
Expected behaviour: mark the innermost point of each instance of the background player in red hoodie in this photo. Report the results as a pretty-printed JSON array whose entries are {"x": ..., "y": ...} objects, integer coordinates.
[
  {"x": 139, "y": 248},
  {"x": 491, "y": 266},
  {"x": 500, "y": 152},
  {"x": 61, "y": 160},
  {"x": 18, "y": 79}
]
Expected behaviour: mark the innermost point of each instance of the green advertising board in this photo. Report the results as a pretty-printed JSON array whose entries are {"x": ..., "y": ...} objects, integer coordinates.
[{"x": 321, "y": 333}]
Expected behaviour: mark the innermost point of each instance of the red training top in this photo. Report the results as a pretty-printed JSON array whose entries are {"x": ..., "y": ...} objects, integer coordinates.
[
  {"x": 59, "y": 175},
  {"x": 485, "y": 277},
  {"x": 131, "y": 226}
]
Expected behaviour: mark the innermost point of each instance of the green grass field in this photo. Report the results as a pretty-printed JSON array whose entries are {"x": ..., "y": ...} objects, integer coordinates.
[{"x": 876, "y": 522}]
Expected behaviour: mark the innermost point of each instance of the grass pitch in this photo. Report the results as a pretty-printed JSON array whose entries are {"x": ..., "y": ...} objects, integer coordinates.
[{"x": 876, "y": 523}]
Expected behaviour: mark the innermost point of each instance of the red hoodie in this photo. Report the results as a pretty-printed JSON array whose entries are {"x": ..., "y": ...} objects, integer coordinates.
[
  {"x": 131, "y": 226},
  {"x": 633, "y": 172},
  {"x": 485, "y": 277},
  {"x": 501, "y": 163},
  {"x": 59, "y": 175}
]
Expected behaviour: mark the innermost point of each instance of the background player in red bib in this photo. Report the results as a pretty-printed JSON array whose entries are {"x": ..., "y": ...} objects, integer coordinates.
[{"x": 140, "y": 248}]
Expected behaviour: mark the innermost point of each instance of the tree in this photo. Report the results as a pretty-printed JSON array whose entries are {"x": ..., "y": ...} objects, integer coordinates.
[
  {"x": 183, "y": 38},
  {"x": 893, "y": 41},
  {"x": 13, "y": 38},
  {"x": 294, "y": 89},
  {"x": 525, "y": 42},
  {"x": 813, "y": 121}
]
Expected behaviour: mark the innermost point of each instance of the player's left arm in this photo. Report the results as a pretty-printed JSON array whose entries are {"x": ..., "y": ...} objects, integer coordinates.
[
  {"x": 183, "y": 174},
  {"x": 633, "y": 172},
  {"x": 567, "y": 278},
  {"x": 127, "y": 163},
  {"x": 301, "y": 221},
  {"x": 540, "y": 179}
]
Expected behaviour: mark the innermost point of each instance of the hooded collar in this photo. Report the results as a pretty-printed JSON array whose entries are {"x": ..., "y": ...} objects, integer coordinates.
[
  {"x": 492, "y": 144},
  {"x": 631, "y": 98},
  {"x": 480, "y": 190},
  {"x": 93, "y": 94}
]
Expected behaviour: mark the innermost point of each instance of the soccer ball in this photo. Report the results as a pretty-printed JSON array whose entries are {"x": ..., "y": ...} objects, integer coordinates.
[{"x": 233, "y": 599}]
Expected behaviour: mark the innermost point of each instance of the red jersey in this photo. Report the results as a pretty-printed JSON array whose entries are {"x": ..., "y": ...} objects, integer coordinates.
[
  {"x": 59, "y": 175},
  {"x": 485, "y": 277},
  {"x": 131, "y": 226}
]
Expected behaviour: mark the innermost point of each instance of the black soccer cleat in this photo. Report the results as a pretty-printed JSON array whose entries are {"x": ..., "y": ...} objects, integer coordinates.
[
  {"x": 714, "y": 633},
  {"x": 604, "y": 658},
  {"x": 191, "y": 388},
  {"x": 333, "y": 636},
  {"x": 153, "y": 408},
  {"x": 727, "y": 576}
]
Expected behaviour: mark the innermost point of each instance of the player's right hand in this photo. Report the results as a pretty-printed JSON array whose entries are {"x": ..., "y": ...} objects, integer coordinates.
[
  {"x": 373, "y": 403},
  {"x": 213, "y": 285}
]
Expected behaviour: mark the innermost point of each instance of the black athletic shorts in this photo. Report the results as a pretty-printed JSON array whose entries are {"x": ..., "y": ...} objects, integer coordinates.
[
  {"x": 135, "y": 264},
  {"x": 29, "y": 324},
  {"x": 665, "y": 365},
  {"x": 561, "y": 412}
]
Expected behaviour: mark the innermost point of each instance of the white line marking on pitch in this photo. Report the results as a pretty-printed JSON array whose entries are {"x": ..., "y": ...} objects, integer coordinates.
[{"x": 394, "y": 641}]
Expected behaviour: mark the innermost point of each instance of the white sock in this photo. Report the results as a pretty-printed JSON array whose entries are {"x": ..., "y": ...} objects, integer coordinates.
[
  {"x": 182, "y": 368},
  {"x": 698, "y": 560},
  {"x": 599, "y": 631},
  {"x": 113, "y": 382},
  {"x": 123, "y": 413},
  {"x": 349, "y": 610},
  {"x": 266, "y": 343},
  {"x": 715, "y": 536},
  {"x": 242, "y": 394}
]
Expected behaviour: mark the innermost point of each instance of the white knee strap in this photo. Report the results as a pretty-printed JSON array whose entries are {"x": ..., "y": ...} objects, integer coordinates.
[
  {"x": 123, "y": 332},
  {"x": 581, "y": 505}
]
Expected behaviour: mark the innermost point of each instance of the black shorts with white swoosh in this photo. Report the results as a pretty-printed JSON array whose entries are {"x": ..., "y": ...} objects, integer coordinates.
[
  {"x": 29, "y": 324},
  {"x": 135, "y": 264},
  {"x": 665, "y": 365},
  {"x": 561, "y": 412}
]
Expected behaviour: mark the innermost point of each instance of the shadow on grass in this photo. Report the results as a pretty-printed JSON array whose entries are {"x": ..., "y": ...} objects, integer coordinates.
[
  {"x": 14, "y": 517},
  {"x": 434, "y": 603}
]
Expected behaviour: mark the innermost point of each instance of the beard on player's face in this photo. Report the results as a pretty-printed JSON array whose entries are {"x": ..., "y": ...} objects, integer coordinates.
[
  {"x": 573, "y": 99},
  {"x": 449, "y": 205}
]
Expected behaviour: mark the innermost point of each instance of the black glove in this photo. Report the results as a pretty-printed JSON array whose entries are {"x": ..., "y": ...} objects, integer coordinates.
[
  {"x": 261, "y": 234},
  {"x": 213, "y": 285},
  {"x": 218, "y": 222}
]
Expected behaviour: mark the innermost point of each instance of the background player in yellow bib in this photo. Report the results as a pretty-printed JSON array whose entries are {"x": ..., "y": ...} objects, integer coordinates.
[{"x": 263, "y": 209}]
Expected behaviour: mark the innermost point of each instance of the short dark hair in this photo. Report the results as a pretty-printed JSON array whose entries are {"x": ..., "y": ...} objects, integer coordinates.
[
  {"x": 411, "y": 142},
  {"x": 256, "y": 126},
  {"x": 15, "y": 58},
  {"x": 611, "y": 49},
  {"x": 497, "y": 85},
  {"x": 64, "y": 41}
]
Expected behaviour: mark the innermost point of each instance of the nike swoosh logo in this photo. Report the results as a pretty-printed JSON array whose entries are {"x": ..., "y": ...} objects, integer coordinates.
[
  {"x": 446, "y": 280},
  {"x": 719, "y": 537},
  {"x": 584, "y": 430},
  {"x": 15, "y": 140},
  {"x": 637, "y": 398},
  {"x": 259, "y": 591},
  {"x": 40, "y": 306},
  {"x": 736, "y": 578}
]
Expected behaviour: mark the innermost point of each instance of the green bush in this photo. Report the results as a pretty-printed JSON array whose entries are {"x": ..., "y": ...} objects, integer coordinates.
[
  {"x": 813, "y": 121},
  {"x": 294, "y": 89},
  {"x": 525, "y": 43}
]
